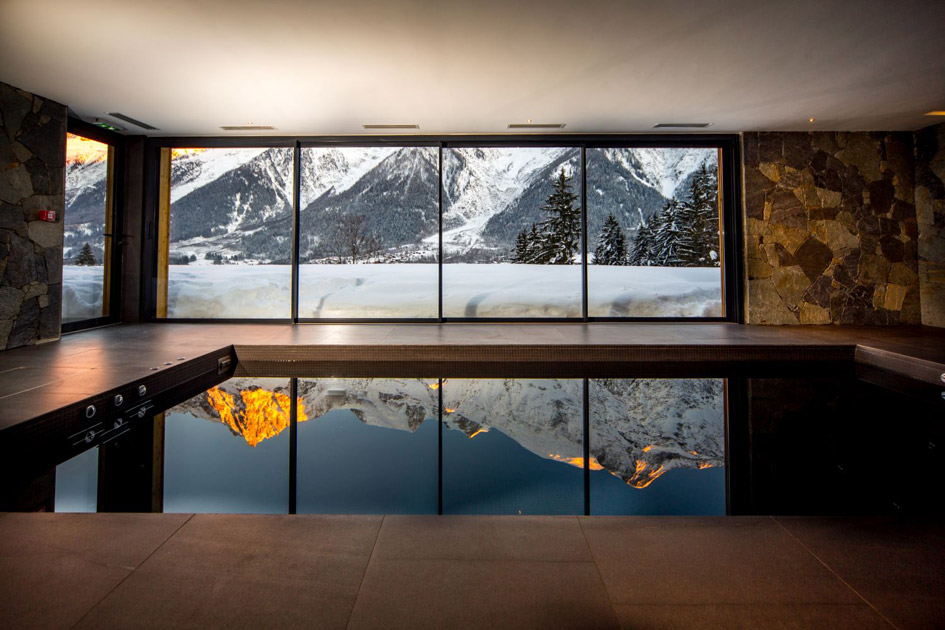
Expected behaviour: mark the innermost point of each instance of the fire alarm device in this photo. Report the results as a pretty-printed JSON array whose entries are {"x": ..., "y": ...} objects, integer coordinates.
[{"x": 47, "y": 215}]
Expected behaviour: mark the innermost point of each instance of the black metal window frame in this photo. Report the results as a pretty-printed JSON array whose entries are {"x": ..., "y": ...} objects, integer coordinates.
[
  {"x": 117, "y": 142},
  {"x": 729, "y": 181}
]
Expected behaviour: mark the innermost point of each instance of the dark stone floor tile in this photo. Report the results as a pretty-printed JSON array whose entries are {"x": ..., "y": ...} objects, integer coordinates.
[
  {"x": 14, "y": 381},
  {"x": 92, "y": 382},
  {"x": 494, "y": 595},
  {"x": 750, "y": 617},
  {"x": 247, "y": 572},
  {"x": 55, "y": 567},
  {"x": 540, "y": 538},
  {"x": 896, "y": 565},
  {"x": 739, "y": 560}
]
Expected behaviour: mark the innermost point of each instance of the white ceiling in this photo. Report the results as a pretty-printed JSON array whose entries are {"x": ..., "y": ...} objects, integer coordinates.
[{"x": 310, "y": 67}]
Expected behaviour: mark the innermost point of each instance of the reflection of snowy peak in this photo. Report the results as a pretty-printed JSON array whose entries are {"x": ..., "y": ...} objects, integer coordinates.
[
  {"x": 640, "y": 428},
  {"x": 544, "y": 416},
  {"x": 393, "y": 403},
  {"x": 256, "y": 409}
]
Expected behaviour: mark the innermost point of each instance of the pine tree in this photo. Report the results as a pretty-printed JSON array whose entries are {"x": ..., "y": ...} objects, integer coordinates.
[
  {"x": 560, "y": 233},
  {"x": 86, "y": 257},
  {"x": 641, "y": 255},
  {"x": 672, "y": 243},
  {"x": 534, "y": 238},
  {"x": 523, "y": 247},
  {"x": 701, "y": 216},
  {"x": 611, "y": 246}
]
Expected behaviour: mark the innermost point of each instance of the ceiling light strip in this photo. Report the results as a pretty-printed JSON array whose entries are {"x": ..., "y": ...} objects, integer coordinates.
[
  {"x": 395, "y": 126},
  {"x": 681, "y": 125},
  {"x": 536, "y": 125},
  {"x": 132, "y": 121}
]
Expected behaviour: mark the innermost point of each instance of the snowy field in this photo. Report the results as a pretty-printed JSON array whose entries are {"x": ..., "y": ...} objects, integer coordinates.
[
  {"x": 410, "y": 290},
  {"x": 81, "y": 292}
]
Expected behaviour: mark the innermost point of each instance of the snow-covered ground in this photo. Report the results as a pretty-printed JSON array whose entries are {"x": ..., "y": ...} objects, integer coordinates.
[
  {"x": 220, "y": 291},
  {"x": 82, "y": 292},
  {"x": 410, "y": 290}
]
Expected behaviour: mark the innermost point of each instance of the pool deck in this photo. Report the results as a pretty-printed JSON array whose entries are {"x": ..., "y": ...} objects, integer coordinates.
[
  {"x": 216, "y": 571},
  {"x": 38, "y": 380}
]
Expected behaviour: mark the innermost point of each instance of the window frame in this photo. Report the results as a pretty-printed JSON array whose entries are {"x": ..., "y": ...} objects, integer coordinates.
[
  {"x": 114, "y": 198},
  {"x": 729, "y": 211}
]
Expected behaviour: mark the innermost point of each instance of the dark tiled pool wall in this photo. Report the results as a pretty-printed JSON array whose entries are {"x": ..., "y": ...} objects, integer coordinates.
[
  {"x": 32, "y": 178},
  {"x": 870, "y": 445},
  {"x": 831, "y": 231},
  {"x": 560, "y": 360},
  {"x": 930, "y": 212}
]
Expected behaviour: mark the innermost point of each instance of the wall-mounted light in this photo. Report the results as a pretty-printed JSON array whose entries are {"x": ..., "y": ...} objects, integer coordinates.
[
  {"x": 936, "y": 112},
  {"x": 810, "y": 120}
]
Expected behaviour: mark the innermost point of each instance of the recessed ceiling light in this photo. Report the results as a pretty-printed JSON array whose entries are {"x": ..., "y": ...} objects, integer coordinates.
[
  {"x": 936, "y": 112},
  {"x": 680, "y": 125},
  {"x": 531, "y": 125},
  {"x": 136, "y": 123},
  {"x": 392, "y": 126},
  {"x": 246, "y": 127}
]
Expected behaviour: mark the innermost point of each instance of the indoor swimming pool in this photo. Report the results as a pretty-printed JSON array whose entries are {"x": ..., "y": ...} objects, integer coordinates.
[{"x": 856, "y": 442}]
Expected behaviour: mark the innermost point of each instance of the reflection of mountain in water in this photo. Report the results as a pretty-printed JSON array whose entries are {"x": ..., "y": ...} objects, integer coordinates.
[
  {"x": 640, "y": 428},
  {"x": 247, "y": 407}
]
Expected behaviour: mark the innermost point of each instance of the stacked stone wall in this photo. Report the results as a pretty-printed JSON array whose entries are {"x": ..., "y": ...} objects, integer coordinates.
[
  {"x": 831, "y": 235},
  {"x": 930, "y": 212},
  {"x": 32, "y": 178}
]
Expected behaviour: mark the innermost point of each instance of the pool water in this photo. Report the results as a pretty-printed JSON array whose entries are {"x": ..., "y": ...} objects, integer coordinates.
[{"x": 600, "y": 446}]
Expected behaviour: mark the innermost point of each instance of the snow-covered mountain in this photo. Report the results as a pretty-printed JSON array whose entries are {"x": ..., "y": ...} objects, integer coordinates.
[
  {"x": 236, "y": 203},
  {"x": 84, "y": 217},
  {"x": 640, "y": 428},
  {"x": 336, "y": 169}
]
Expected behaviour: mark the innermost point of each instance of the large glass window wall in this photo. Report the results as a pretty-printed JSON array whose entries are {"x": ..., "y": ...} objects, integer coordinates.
[
  {"x": 447, "y": 232},
  {"x": 87, "y": 230}
]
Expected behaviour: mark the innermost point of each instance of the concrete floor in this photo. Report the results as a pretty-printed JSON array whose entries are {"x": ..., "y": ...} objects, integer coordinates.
[{"x": 210, "y": 571}]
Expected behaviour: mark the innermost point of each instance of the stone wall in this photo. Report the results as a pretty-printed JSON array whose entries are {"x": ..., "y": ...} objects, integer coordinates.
[
  {"x": 32, "y": 178},
  {"x": 830, "y": 228},
  {"x": 930, "y": 212}
]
